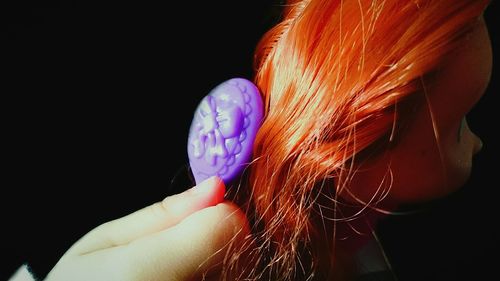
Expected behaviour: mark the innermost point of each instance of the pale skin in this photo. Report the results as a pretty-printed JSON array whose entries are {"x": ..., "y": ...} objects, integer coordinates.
[
  {"x": 183, "y": 237},
  {"x": 187, "y": 236}
]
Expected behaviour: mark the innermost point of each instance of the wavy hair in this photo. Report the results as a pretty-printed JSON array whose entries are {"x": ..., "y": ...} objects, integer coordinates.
[{"x": 339, "y": 81}]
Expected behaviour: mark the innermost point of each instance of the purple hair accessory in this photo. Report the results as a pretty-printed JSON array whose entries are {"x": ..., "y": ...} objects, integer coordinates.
[{"x": 223, "y": 130}]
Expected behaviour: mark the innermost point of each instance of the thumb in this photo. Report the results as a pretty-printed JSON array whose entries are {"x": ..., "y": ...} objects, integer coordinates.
[
  {"x": 152, "y": 219},
  {"x": 195, "y": 248}
]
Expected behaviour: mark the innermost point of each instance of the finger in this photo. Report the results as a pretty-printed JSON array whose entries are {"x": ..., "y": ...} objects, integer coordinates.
[
  {"x": 151, "y": 219},
  {"x": 195, "y": 247}
]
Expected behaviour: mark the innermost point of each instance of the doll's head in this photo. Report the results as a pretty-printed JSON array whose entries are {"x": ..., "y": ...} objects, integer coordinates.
[{"x": 365, "y": 105}]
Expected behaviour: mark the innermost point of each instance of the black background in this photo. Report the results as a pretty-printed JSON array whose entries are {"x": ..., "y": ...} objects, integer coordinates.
[{"x": 97, "y": 103}]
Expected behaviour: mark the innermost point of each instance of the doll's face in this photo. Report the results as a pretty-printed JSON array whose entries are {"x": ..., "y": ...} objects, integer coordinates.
[{"x": 434, "y": 157}]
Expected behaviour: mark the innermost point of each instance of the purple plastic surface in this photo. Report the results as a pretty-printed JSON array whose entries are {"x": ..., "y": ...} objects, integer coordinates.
[{"x": 223, "y": 130}]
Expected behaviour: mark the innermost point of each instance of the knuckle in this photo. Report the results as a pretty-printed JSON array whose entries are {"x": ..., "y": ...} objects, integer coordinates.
[{"x": 159, "y": 209}]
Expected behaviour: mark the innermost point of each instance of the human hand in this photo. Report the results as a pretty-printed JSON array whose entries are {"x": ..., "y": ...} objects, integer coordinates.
[{"x": 184, "y": 237}]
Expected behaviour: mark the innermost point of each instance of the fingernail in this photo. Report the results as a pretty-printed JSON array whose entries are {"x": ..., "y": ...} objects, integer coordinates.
[{"x": 205, "y": 185}]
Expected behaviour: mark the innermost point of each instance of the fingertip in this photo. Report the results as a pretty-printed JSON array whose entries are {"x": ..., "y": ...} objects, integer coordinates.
[
  {"x": 212, "y": 190},
  {"x": 203, "y": 186},
  {"x": 219, "y": 190}
]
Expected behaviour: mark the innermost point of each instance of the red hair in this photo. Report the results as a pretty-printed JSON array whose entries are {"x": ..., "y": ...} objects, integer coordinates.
[{"x": 335, "y": 77}]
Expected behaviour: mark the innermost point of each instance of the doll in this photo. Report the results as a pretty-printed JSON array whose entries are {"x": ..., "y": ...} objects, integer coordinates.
[{"x": 364, "y": 105}]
